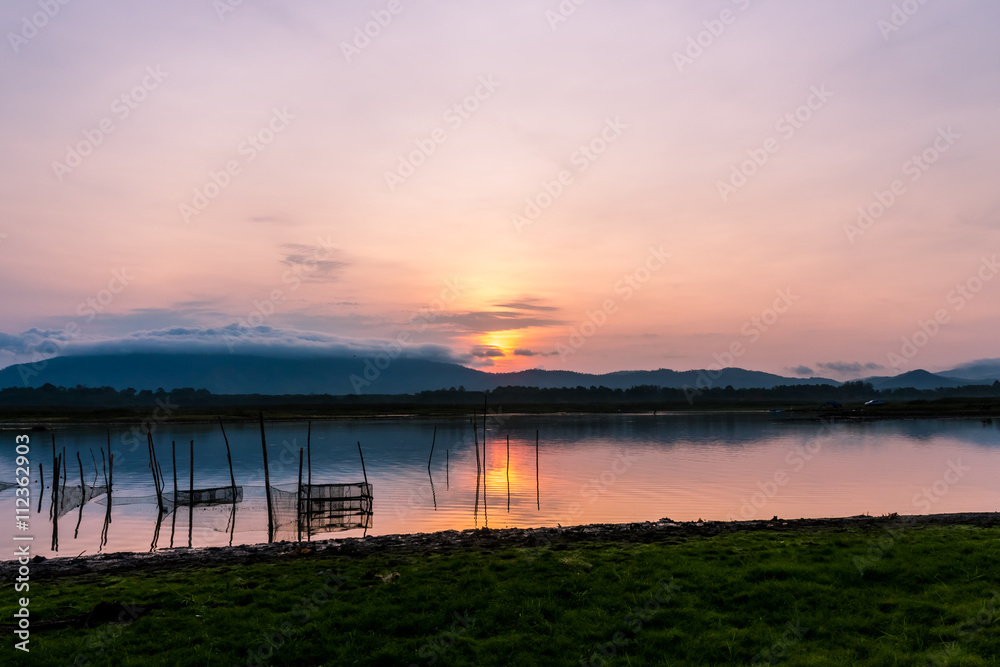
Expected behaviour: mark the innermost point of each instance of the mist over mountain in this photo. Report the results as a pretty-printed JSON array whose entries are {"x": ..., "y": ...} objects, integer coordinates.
[{"x": 253, "y": 374}]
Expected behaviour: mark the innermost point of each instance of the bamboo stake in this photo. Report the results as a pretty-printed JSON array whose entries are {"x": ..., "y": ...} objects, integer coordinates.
[
  {"x": 433, "y": 440},
  {"x": 475, "y": 435},
  {"x": 267, "y": 481},
  {"x": 298, "y": 498},
  {"x": 447, "y": 483},
  {"x": 191, "y": 494},
  {"x": 41, "y": 483},
  {"x": 229, "y": 456},
  {"x": 508, "y": 472},
  {"x": 309, "y": 481},
  {"x": 173, "y": 463},
  {"x": 83, "y": 496}
]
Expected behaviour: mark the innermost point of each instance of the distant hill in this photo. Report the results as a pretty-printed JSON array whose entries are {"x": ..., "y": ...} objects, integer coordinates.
[
  {"x": 248, "y": 374},
  {"x": 918, "y": 379},
  {"x": 985, "y": 371}
]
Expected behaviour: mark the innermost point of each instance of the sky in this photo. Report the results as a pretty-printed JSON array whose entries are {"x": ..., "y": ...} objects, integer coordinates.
[{"x": 805, "y": 188}]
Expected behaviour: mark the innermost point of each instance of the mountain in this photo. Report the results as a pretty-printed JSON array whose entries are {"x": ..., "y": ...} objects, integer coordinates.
[
  {"x": 984, "y": 371},
  {"x": 918, "y": 379},
  {"x": 249, "y": 374}
]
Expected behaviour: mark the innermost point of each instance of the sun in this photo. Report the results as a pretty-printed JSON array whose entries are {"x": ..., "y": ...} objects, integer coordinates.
[{"x": 507, "y": 341}]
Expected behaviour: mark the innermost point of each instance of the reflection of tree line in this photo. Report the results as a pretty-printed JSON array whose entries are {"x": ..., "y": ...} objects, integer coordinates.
[{"x": 592, "y": 399}]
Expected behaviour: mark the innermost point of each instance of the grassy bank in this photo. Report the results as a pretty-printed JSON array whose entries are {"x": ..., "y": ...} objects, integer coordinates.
[{"x": 896, "y": 595}]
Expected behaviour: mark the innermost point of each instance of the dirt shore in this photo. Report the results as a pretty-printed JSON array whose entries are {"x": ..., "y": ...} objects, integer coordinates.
[{"x": 665, "y": 531}]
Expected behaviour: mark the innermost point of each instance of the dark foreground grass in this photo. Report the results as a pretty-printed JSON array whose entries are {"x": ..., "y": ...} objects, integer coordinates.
[{"x": 928, "y": 595}]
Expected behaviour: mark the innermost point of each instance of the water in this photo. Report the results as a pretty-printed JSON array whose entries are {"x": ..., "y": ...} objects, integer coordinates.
[{"x": 591, "y": 468}]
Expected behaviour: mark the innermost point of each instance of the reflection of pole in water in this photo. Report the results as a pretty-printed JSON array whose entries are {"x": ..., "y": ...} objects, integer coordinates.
[
  {"x": 475, "y": 435},
  {"x": 486, "y": 512},
  {"x": 538, "y": 496},
  {"x": 508, "y": 472},
  {"x": 429, "y": 476}
]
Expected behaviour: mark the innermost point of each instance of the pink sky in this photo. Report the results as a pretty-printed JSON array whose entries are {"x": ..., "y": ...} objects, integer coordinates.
[{"x": 564, "y": 188}]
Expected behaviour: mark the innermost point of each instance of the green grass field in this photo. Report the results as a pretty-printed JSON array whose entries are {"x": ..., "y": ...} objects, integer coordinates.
[{"x": 926, "y": 596}]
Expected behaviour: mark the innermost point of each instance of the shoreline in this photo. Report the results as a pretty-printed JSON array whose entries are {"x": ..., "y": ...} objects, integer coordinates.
[{"x": 481, "y": 538}]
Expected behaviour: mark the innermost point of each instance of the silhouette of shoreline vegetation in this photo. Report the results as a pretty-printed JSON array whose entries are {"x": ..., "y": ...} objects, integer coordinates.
[{"x": 788, "y": 401}]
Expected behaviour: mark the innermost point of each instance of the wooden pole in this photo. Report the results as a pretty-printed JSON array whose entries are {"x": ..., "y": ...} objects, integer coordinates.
[
  {"x": 191, "y": 494},
  {"x": 83, "y": 496},
  {"x": 363, "y": 471},
  {"x": 486, "y": 512},
  {"x": 152, "y": 466},
  {"x": 55, "y": 471},
  {"x": 267, "y": 481},
  {"x": 229, "y": 456},
  {"x": 433, "y": 440},
  {"x": 538, "y": 496},
  {"x": 94, "y": 459},
  {"x": 309, "y": 481},
  {"x": 173, "y": 464},
  {"x": 447, "y": 483},
  {"x": 41, "y": 483},
  {"x": 298, "y": 498}
]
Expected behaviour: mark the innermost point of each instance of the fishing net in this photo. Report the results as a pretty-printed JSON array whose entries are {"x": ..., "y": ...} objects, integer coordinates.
[
  {"x": 220, "y": 495},
  {"x": 72, "y": 497},
  {"x": 323, "y": 507}
]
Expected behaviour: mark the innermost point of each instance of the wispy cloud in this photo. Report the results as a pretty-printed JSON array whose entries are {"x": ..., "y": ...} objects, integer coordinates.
[
  {"x": 849, "y": 367},
  {"x": 800, "y": 370}
]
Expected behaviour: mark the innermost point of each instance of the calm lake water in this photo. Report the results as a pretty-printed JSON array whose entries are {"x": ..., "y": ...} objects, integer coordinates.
[{"x": 591, "y": 468}]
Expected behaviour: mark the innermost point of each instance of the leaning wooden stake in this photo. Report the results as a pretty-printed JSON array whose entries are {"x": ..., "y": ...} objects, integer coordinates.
[
  {"x": 433, "y": 440},
  {"x": 298, "y": 497},
  {"x": 191, "y": 494},
  {"x": 309, "y": 480},
  {"x": 486, "y": 512},
  {"x": 173, "y": 464},
  {"x": 267, "y": 481},
  {"x": 229, "y": 456},
  {"x": 83, "y": 497}
]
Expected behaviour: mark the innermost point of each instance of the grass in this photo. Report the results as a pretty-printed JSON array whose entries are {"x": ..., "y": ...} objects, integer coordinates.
[{"x": 928, "y": 595}]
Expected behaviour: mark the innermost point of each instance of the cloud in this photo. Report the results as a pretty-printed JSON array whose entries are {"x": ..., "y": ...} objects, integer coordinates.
[
  {"x": 849, "y": 367},
  {"x": 524, "y": 352},
  {"x": 312, "y": 263},
  {"x": 35, "y": 344},
  {"x": 800, "y": 370},
  {"x": 496, "y": 320},
  {"x": 486, "y": 351},
  {"x": 528, "y": 303}
]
